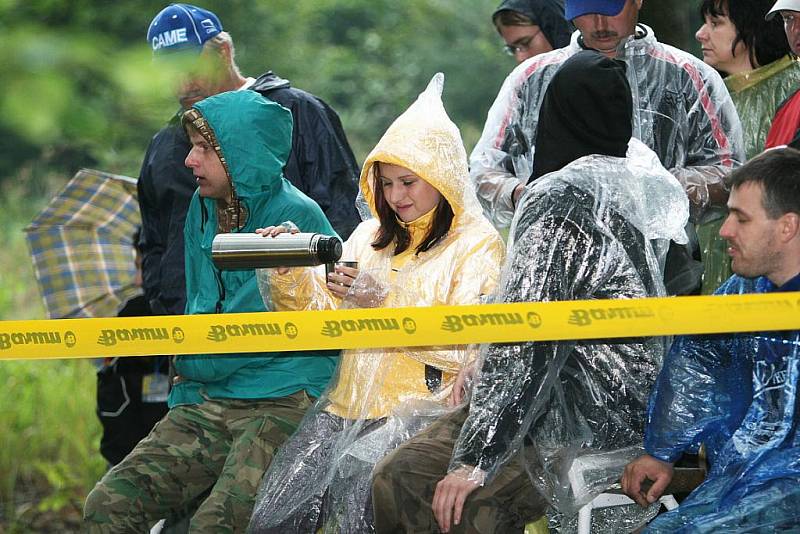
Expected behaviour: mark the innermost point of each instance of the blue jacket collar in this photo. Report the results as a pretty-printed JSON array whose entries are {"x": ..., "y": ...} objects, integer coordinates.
[{"x": 763, "y": 285}]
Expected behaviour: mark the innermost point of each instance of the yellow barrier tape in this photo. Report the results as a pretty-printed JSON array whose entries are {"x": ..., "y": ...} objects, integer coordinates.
[{"x": 393, "y": 327}]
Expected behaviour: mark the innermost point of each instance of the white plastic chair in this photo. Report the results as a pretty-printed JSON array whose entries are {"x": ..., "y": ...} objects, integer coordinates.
[
  {"x": 602, "y": 466},
  {"x": 606, "y": 500}
]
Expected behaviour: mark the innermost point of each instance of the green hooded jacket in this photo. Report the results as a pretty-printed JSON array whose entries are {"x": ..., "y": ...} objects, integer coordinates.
[{"x": 254, "y": 136}]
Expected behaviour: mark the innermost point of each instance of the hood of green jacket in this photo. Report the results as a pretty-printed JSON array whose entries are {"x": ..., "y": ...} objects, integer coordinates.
[{"x": 254, "y": 136}]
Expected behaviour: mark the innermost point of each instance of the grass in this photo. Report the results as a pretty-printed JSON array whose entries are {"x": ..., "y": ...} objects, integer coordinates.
[
  {"x": 49, "y": 434},
  {"x": 48, "y": 439}
]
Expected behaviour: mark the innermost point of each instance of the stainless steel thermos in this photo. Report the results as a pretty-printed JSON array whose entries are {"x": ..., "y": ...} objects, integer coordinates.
[{"x": 241, "y": 251}]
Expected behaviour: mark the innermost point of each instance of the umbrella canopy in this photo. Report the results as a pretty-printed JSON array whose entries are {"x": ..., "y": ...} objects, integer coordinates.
[{"x": 82, "y": 246}]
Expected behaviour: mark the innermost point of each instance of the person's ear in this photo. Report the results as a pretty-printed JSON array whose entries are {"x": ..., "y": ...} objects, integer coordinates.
[
  {"x": 789, "y": 226},
  {"x": 224, "y": 52}
]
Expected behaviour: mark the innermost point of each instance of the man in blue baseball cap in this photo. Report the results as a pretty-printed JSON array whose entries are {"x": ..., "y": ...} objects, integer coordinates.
[
  {"x": 181, "y": 27},
  {"x": 682, "y": 111},
  {"x": 604, "y": 23},
  {"x": 321, "y": 163},
  {"x": 578, "y": 8}
]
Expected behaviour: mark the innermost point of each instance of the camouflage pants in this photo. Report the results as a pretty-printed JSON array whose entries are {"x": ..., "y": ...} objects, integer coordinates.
[
  {"x": 222, "y": 444},
  {"x": 404, "y": 482}
]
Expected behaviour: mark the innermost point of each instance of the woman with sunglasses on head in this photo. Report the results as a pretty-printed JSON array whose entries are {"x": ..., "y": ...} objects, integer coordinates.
[
  {"x": 428, "y": 244},
  {"x": 755, "y": 57},
  {"x": 760, "y": 73}
]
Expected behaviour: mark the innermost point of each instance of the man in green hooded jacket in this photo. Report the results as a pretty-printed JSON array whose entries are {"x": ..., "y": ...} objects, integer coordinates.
[{"x": 228, "y": 413}]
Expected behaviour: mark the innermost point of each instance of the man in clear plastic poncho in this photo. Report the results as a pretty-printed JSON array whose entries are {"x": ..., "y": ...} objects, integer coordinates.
[
  {"x": 681, "y": 110},
  {"x": 427, "y": 244},
  {"x": 737, "y": 394},
  {"x": 595, "y": 228}
]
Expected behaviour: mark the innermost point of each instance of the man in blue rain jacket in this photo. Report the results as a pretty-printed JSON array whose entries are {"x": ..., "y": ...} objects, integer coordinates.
[{"x": 737, "y": 394}]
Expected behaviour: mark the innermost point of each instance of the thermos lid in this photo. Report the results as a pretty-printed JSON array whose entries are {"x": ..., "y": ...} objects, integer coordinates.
[{"x": 329, "y": 249}]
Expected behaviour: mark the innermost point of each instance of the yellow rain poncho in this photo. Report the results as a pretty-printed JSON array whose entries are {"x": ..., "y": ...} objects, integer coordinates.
[{"x": 379, "y": 397}]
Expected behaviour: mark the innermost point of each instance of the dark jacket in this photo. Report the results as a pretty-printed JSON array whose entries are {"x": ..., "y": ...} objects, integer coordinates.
[
  {"x": 321, "y": 164},
  {"x": 126, "y": 414},
  {"x": 596, "y": 229}
]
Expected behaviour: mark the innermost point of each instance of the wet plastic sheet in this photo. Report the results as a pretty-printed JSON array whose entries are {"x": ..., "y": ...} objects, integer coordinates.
[
  {"x": 380, "y": 397},
  {"x": 597, "y": 229},
  {"x": 682, "y": 111},
  {"x": 738, "y": 396}
]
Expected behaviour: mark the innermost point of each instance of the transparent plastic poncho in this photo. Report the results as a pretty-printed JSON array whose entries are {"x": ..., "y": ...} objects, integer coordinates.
[
  {"x": 596, "y": 229},
  {"x": 682, "y": 111},
  {"x": 380, "y": 397},
  {"x": 737, "y": 395}
]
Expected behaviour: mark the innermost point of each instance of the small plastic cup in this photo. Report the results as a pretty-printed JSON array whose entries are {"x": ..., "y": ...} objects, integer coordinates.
[{"x": 330, "y": 267}]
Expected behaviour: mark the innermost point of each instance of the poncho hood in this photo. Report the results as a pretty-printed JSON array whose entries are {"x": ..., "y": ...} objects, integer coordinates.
[
  {"x": 547, "y": 14},
  {"x": 425, "y": 141},
  {"x": 254, "y": 136},
  {"x": 637, "y": 187}
]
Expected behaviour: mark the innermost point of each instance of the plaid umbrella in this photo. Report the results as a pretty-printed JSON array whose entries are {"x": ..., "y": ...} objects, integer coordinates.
[{"x": 82, "y": 246}]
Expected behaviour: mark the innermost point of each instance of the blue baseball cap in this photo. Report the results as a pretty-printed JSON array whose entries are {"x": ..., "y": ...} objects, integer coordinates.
[
  {"x": 577, "y": 8},
  {"x": 182, "y": 27}
]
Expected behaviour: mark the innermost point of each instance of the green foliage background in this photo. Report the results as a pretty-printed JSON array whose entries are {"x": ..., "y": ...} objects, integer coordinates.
[{"x": 80, "y": 90}]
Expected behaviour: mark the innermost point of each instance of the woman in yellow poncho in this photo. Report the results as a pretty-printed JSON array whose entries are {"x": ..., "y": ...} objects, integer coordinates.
[{"x": 428, "y": 244}]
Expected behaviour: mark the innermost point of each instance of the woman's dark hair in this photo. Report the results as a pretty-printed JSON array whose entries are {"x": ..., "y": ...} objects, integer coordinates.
[
  {"x": 765, "y": 40},
  {"x": 392, "y": 231}
]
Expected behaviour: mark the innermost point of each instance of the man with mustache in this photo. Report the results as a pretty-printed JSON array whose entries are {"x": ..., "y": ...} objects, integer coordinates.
[{"x": 682, "y": 111}]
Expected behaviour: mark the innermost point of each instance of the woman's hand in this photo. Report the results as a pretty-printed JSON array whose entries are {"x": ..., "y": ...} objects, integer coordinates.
[
  {"x": 341, "y": 280},
  {"x": 274, "y": 231},
  {"x": 359, "y": 288},
  {"x": 462, "y": 385}
]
